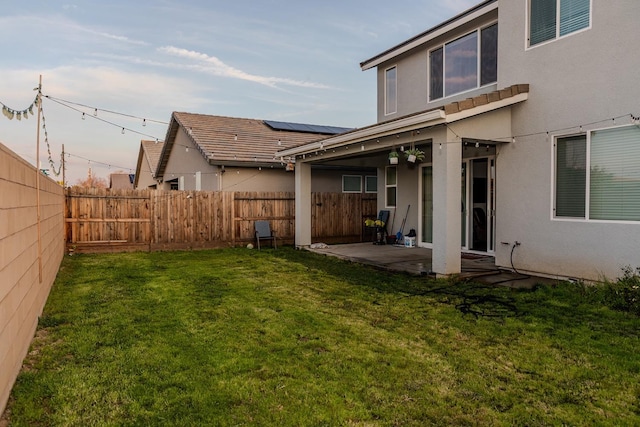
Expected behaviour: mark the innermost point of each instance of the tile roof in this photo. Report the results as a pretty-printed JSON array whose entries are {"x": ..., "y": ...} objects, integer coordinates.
[
  {"x": 153, "y": 150},
  {"x": 232, "y": 139}
]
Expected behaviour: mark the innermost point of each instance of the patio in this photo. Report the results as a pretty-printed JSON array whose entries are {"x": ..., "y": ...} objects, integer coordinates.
[{"x": 417, "y": 261}]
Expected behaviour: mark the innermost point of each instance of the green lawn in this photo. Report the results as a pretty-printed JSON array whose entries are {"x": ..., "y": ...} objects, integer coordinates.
[{"x": 289, "y": 338}]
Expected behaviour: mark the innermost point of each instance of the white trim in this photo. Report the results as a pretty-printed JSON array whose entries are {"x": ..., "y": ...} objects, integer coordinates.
[
  {"x": 380, "y": 130},
  {"x": 375, "y": 190},
  {"x": 527, "y": 26},
  {"x": 352, "y": 176},
  {"x": 586, "y": 219},
  {"x": 431, "y": 36},
  {"x": 442, "y": 46},
  {"x": 386, "y": 104},
  {"x": 387, "y": 186},
  {"x": 465, "y": 114}
]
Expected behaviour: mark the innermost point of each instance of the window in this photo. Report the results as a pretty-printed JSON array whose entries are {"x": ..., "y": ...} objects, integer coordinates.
[
  {"x": 370, "y": 184},
  {"x": 390, "y": 91},
  {"x": 544, "y": 16},
  {"x": 598, "y": 175},
  {"x": 464, "y": 64},
  {"x": 391, "y": 185},
  {"x": 351, "y": 184}
]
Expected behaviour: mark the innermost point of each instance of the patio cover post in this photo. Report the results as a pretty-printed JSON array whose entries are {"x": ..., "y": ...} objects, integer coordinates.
[
  {"x": 303, "y": 204},
  {"x": 447, "y": 196}
]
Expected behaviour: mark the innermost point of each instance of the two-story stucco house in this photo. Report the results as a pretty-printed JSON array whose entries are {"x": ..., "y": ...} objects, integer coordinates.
[{"x": 527, "y": 111}]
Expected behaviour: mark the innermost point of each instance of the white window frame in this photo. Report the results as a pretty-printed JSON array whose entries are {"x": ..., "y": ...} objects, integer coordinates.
[
  {"x": 366, "y": 184},
  {"x": 587, "y": 212},
  {"x": 198, "y": 181},
  {"x": 527, "y": 26},
  {"x": 387, "y": 186},
  {"x": 359, "y": 185},
  {"x": 442, "y": 46},
  {"x": 387, "y": 110}
]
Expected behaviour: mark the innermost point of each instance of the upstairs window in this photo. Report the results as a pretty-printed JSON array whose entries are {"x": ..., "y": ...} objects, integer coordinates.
[
  {"x": 390, "y": 91},
  {"x": 464, "y": 64},
  {"x": 551, "y": 19}
]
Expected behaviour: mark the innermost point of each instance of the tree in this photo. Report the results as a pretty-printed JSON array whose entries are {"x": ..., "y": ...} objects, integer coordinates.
[{"x": 92, "y": 181}]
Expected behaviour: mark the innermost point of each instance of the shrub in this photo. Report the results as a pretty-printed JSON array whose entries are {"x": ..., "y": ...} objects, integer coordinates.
[
  {"x": 622, "y": 295},
  {"x": 627, "y": 290}
]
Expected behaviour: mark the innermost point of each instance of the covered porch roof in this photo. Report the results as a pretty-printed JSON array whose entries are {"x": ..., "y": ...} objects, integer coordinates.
[{"x": 383, "y": 135}]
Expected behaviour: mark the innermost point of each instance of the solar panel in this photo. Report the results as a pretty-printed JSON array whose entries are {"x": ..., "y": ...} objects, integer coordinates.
[{"x": 301, "y": 127}]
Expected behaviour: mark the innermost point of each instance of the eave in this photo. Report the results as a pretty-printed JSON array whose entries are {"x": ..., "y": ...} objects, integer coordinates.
[{"x": 443, "y": 28}]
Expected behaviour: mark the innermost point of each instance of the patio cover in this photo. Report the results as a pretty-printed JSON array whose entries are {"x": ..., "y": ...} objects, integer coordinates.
[{"x": 475, "y": 119}]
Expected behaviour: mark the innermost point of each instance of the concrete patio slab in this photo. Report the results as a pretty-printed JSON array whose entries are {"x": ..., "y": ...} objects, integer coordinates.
[{"x": 417, "y": 261}]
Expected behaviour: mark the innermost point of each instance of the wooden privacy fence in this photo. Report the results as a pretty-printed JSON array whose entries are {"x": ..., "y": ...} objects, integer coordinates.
[{"x": 103, "y": 220}]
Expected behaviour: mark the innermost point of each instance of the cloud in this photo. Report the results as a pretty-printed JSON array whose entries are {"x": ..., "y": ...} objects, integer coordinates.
[
  {"x": 213, "y": 65},
  {"x": 115, "y": 37}
]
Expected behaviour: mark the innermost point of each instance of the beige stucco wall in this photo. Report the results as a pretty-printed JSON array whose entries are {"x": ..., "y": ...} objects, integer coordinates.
[
  {"x": 185, "y": 160},
  {"x": 145, "y": 178},
  {"x": 184, "y": 163},
  {"x": 412, "y": 75},
  {"x": 586, "y": 77},
  {"x": 22, "y": 292}
]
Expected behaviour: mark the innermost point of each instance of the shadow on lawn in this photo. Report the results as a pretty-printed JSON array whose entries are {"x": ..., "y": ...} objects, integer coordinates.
[{"x": 470, "y": 298}]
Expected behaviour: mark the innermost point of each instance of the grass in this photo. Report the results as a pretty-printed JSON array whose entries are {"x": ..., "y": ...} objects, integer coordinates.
[{"x": 239, "y": 337}]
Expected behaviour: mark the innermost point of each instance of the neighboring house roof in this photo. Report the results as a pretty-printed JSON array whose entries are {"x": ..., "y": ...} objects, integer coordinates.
[
  {"x": 120, "y": 181},
  {"x": 431, "y": 33},
  {"x": 231, "y": 140},
  {"x": 150, "y": 152},
  {"x": 448, "y": 113}
]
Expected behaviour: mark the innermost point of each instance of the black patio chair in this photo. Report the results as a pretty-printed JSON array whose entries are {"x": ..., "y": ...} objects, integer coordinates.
[
  {"x": 263, "y": 232},
  {"x": 384, "y": 217}
]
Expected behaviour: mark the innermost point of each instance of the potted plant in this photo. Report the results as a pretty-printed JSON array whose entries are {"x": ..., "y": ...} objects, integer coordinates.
[
  {"x": 393, "y": 157},
  {"x": 414, "y": 154}
]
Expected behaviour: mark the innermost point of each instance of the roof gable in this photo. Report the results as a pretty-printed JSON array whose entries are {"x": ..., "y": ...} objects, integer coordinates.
[
  {"x": 231, "y": 140},
  {"x": 444, "y": 27}
]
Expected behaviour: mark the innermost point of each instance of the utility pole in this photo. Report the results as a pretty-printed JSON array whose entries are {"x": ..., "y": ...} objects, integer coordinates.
[
  {"x": 64, "y": 181},
  {"x": 39, "y": 97}
]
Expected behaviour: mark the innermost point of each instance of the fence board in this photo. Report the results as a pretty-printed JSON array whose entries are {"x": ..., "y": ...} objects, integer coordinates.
[{"x": 103, "y": 220}]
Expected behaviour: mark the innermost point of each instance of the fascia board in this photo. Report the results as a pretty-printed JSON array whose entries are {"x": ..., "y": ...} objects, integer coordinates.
[
  {"x": 402, "y": 48},
  {"x": 431, "y": 118},
  {"x": 465, "y": 114}
]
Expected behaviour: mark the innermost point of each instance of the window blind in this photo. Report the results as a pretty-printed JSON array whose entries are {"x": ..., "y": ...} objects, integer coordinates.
[
  {"x": 571, "y": 176},
  {"x": 542, "y": 25},
  {"x": 574, "y": 15},
  {"x": 615, "y": 174}
]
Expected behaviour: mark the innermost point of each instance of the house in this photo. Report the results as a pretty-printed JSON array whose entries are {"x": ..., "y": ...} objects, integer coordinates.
[
  {"x": 148, "y": 158},
  {"x": 527, "y": 112},
  {"x": 121, "y": 181},
  {"x": 217, "y": 153}
]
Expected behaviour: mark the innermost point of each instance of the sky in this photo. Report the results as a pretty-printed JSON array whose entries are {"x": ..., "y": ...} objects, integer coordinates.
[{"x": 138, "y": 61}]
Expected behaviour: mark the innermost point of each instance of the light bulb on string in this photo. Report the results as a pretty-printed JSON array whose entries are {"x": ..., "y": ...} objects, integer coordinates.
[{"x": 144, "y": 122}]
